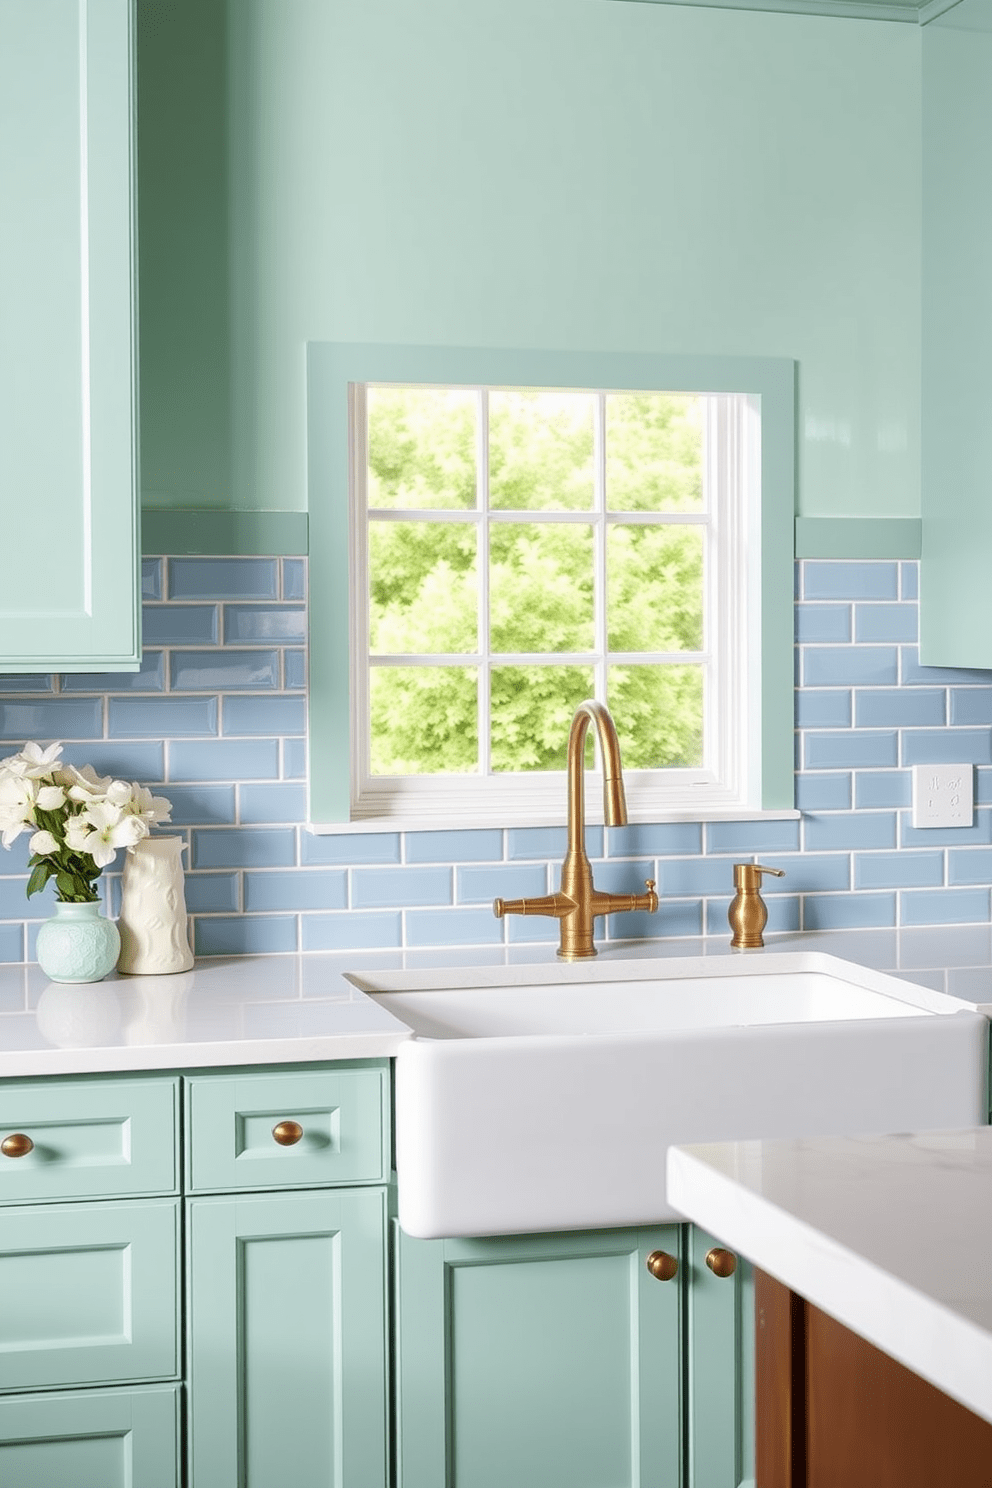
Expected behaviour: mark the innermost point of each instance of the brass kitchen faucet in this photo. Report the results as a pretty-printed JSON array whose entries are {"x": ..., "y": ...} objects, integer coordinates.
[{"x": 578, "y": 901}]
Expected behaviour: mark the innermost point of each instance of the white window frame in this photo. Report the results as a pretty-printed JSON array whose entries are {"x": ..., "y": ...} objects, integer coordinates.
[{"x": 728, "y": 782}]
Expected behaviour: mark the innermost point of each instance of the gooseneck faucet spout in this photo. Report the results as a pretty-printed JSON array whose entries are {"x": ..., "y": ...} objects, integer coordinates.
[
  {"x": 578, "y": 901},
  {"x": 614, "y": 798}
]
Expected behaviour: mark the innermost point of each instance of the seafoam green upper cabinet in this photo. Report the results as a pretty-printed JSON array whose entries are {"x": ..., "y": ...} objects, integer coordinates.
[
  {"x": 68, "y": 438},
  {"x": 955, "y": 594}
]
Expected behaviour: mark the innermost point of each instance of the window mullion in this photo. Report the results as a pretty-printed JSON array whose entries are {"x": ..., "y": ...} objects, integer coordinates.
[
  {"x": 599, "y": 546},
  {"x": 713, "y": 452},
  {"x": 361, "y": 685},
  {"x": 482, "y": 561}
]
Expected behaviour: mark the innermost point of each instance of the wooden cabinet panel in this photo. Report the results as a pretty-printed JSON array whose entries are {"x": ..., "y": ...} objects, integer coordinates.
[
  {"x": 287, "y": 1340},
  {"x": 545, "y": 1361},
  {"x": 833, "y": 1411}
]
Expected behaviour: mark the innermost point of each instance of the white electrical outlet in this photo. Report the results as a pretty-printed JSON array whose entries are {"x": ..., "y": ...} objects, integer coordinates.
[{"x": 943, "y": 795}]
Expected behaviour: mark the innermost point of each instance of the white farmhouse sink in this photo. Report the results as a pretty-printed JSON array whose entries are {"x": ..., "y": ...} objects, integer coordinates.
[{"x": 545, "y": 1098}]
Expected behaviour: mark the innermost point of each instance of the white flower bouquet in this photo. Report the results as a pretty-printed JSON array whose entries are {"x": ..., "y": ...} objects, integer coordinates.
[{"x": 78, "y": 821}]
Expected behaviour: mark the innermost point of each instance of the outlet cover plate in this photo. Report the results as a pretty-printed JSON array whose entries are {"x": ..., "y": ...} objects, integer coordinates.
[{"x": 943, "y": 795}]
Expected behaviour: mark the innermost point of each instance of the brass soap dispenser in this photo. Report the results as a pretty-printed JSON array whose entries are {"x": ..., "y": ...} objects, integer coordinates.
[{"x": 748, "y": 913}]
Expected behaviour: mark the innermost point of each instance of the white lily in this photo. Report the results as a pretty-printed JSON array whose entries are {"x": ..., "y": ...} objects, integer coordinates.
[
  {"x": 151, "y": 809},
  {"x": 85, "y": 784},
  {"x": 50, "y": 798},
  {"x": 44, "y": 844},
  {"x": 40, "y": 761},
  {"x": 17, "y": 799},
  {"x": 33, "y": 762},
  {"x": 101, "y": 830},
  {"x": 11, "y": 828}
]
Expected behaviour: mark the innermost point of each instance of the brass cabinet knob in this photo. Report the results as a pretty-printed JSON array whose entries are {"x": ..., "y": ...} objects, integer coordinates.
[
  {"x": 16, "y": 1145},
  {"x": 662, "y": 1265},
  {"x": 287, "y": 1133},
  {"x": 721, "y": 1262}
]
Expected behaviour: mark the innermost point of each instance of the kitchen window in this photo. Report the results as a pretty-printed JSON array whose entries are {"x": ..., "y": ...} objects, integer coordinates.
[{"x": 513, "y": 546}]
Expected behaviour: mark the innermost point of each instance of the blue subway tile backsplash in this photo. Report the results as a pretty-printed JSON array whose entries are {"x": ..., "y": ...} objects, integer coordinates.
[
  {"x": 823, "y": 622},
  {"x": 51, "y": 718},
  {"x": 831, "y": 580},
  {"x": 248, "y": 625},
  {"x": 897, "y": 707},
  {"x": 850, "y": 666},
  {"x": 829, "y": 791},
  {"x": 223, "y": 578},
  {"x": 179, "y": 625},
  {"x": 151, "y": 578},
  {"x": 216, "y": 720},
  {"x": 885, "y": 622},
  {"x": 224, "y": 671},
  {"x": 161, "y": 717},
  {"x": 849, "y": 749}
]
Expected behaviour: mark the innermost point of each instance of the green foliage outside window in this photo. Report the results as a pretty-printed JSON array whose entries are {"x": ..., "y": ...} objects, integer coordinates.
[{"x": 424, "y": 579}]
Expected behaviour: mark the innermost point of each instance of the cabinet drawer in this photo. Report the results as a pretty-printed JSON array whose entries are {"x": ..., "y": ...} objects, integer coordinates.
[
  {"x": 336, "y": 1122},
  {"x": 116, "y": 1438},
  {"x": 89, "y": 1294},
  {"x": 92, "y": 1139}
]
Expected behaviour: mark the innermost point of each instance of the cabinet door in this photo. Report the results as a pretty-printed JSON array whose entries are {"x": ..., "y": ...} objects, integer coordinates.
[
  {"x": 720, "y": 1369},
  {"x": 89, "y": 1294},
  {"x": 343, "y": 1119},
  {"x": 90, "y": 1439},
  {"x": 541, "y": 1361},
  {"x": 287, "y": 1340},
  {"x": 67, "y": 346},
  {"x": 91, "y": 1139}
]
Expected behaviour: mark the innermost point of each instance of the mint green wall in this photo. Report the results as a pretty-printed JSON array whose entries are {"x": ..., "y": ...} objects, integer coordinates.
[
  {"x": 183, "y": 254},
  {"x": 534, "y": 173},
  {"x": 955, "y": 594}
]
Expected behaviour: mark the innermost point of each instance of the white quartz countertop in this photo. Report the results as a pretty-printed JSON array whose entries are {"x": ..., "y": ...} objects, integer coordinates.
[
  {"x": 296, "y": 1008},
  {"x": 890, "y": 1235}
]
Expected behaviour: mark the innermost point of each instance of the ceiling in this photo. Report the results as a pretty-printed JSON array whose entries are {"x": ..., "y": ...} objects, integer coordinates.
[{"x": 915, "y": 11}]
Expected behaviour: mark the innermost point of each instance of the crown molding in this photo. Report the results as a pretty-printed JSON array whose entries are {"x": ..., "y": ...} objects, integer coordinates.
[{"x": 916, "y": 12}]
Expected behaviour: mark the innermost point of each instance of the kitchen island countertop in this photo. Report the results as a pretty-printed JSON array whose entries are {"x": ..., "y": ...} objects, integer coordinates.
[{"x": 890, "y": 1235}]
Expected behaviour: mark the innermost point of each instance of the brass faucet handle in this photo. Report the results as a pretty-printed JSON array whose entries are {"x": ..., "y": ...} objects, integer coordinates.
[
  {"x": 554, "y": 905},
  {"x": 652, "y": 897}
]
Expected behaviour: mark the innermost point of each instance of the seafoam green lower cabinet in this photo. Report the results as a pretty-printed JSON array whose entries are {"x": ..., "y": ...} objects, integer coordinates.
[
  {"x": 89, "y": 1294},
  {"x": 544, "y": 1361},
  {"x": 287, "y": 1340},
  {"x": 719, "y": 1369},
  {"x": 91, "y": 1439}
]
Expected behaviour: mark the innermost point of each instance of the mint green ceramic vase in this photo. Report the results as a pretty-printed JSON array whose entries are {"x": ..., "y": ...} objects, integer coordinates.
[{"x": 78, "y": 944}]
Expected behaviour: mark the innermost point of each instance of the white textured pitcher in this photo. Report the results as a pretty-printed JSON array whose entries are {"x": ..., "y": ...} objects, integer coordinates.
[{"x": 152, "y": 922}]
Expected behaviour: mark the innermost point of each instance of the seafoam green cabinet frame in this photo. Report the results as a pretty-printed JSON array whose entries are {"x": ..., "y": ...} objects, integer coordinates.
[
  {"x": 559, "y": 1361},
  {"x": 542, "y": 1361},
  {"x": 287, "y": 1337},
  {"x": 68, "y": 426},
  {"x": 719, "y": 1369}
]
